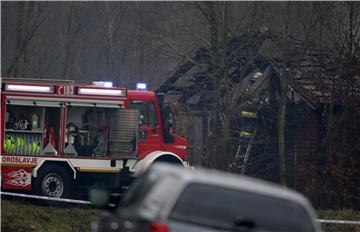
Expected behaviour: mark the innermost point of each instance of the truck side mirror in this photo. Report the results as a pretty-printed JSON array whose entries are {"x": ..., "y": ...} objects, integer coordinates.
[
  {"x": 167, "y": 111},
  {"x": 169, "y": 124},
  {"x": 168, "y": 137}
]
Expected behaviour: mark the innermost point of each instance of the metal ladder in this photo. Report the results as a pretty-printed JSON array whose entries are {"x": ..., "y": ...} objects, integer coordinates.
[
  {"x": 243, "y": 153},
  {"x": 247, "y": 135}
]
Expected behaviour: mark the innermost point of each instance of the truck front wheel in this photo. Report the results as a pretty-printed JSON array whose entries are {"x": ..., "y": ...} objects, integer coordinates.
[{"x": 53, "y": 182}]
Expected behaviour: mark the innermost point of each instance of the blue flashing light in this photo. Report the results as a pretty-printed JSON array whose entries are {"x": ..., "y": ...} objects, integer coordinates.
[{"x": 140, "y": 86}]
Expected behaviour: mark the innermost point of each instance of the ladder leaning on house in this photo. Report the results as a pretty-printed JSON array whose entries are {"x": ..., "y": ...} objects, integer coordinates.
[
  {"x": 247, "y": 136},
  {"x": 252, "y": 86}
]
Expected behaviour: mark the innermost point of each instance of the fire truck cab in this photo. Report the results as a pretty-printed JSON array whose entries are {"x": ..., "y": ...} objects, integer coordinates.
[{"x": 59, "y": 139}]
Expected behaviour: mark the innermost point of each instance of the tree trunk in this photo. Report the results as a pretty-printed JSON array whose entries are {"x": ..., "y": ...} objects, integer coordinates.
[
  {"x": 109, "y": 43},
  {"x": 140, "y": 43},
  {"x": 224, "y": 66},
  {"x": 68, "y": 42},
  {"x": 281, "y": 132},
  {"x": 19, "y": 40}
]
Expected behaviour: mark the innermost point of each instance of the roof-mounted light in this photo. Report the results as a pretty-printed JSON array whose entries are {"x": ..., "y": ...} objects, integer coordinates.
[
  {"x": 101, "y": 91},
  {"x": 106, "y": 84},
  {"x": 140, "y": 86},
  {"x": 29, "y": 88}
]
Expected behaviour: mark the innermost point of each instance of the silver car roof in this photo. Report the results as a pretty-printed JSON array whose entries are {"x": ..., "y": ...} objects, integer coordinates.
[{"x": 234, "y": 181}]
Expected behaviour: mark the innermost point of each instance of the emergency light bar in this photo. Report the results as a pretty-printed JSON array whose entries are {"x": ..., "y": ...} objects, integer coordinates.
[
  {"x": 29, "y": 88},
  {"x": 101, "y": 92},
  {"x": 106, "y": 84},
  {"x": 141, "y": 86}
]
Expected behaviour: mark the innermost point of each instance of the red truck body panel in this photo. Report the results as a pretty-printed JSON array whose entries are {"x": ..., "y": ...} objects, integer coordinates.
[{"x": 17, "y": 165}]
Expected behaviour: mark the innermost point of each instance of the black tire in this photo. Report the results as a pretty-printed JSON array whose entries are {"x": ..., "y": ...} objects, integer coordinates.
[{"x": 53, "y": 181}]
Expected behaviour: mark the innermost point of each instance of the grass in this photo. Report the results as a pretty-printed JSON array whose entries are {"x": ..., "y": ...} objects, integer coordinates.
[
  {"x": 348, "y": 215},
  {"x": 24, "y": 216}
]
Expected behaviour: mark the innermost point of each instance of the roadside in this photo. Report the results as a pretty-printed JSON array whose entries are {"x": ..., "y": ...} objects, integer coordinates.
[
  {"x": 24, "y": 216},
  {"x": 340, "y": 215}
]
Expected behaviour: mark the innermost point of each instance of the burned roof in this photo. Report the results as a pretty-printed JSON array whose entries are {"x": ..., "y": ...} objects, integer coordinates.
[{"x": 315, "y": 73}]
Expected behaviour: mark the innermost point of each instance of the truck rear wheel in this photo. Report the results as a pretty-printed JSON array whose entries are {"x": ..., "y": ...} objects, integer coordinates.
[{"x": 53, "y": 181}]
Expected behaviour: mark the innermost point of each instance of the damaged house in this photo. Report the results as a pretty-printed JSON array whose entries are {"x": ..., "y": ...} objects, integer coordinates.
[{"x": 262, "y": 74}]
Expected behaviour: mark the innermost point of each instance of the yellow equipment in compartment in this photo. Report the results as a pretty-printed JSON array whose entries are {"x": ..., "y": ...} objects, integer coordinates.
[
  {"x": 9, "y": 145},
  {"x": 22, "y": 144}
]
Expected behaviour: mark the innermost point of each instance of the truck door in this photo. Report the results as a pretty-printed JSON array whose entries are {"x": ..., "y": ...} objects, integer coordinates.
[{"x": 149, "y": 127}]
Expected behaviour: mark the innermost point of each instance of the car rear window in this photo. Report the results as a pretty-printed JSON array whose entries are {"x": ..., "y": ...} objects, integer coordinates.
[{"x": 229, "y": 209}]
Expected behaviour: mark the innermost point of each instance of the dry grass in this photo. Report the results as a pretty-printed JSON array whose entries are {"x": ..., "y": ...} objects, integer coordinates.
[
  {"x": 348, "y": 215},
  {"x": 24, "y": 216}
]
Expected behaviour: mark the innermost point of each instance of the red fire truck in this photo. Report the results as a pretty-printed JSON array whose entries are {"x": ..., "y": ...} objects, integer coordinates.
[{"x": 58, "y": 138}]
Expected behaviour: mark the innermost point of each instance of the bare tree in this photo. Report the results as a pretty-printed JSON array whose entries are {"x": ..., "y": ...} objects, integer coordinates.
[
  {"x": 77, "y": 19},
  {"x": 223, "y": 88},
  {"x": 30, "y": 16},
  {"x": 113, "y": 20}
]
